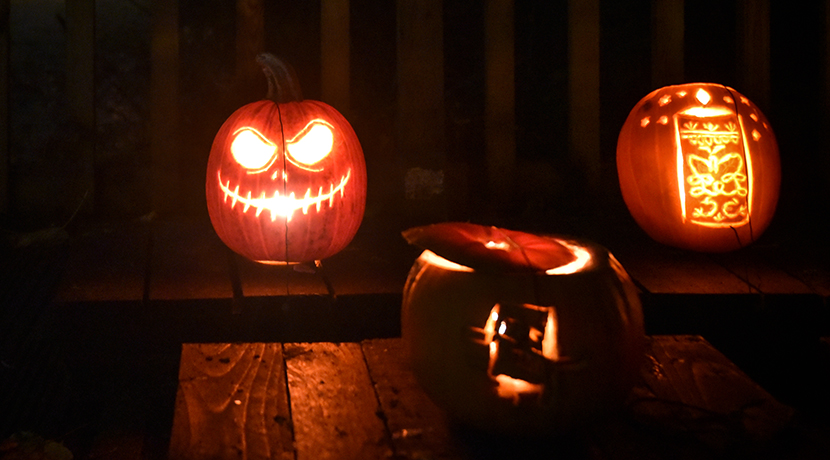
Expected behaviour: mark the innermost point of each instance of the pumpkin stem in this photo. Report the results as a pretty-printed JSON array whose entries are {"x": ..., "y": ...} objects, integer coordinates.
[{"x": 282, "y": 81}]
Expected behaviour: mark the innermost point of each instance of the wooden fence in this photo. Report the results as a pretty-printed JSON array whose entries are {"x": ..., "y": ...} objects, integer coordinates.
[{"x": 430, "y": 182}]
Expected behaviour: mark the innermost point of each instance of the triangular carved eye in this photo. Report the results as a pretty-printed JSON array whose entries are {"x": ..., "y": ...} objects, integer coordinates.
[
  {"x": 252, "y": 150},
  {"x": 311, "y": 144}
]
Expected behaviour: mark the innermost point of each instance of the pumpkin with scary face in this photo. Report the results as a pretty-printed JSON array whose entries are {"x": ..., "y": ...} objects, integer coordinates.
[
  {"x": 699, "y": 168},
  {"x": 286, "y": 178},
  {"x": 518, "y": 333}
]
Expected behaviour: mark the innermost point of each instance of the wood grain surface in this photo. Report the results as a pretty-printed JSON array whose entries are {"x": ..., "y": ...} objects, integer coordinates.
[
  {"x": 333, "y": 404},
  {"x": 232, "y": 403},
  {"x": 419, "y": 429},
  {"x": 361, "y": 401},
  {"x": 691, "y": 389}
]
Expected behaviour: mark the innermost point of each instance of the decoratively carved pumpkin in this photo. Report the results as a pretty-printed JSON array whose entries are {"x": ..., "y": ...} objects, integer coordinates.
[
  {"x": 517, "y": 333},
  {"x": 699, "y": 168},
  {"x": 286, "y": 178}
]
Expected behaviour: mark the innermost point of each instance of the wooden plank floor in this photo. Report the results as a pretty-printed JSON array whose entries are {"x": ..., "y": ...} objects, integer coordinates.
[
  {"x": 771, "y": 296},
  {"x": 360, "y": 401},
  {"x": 166, "y": 263},
  {"x": 94, "y": 346},
  {"x": 184, "y": 259}
]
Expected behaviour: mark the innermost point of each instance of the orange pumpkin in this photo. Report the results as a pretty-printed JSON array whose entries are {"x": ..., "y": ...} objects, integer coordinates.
[
  {"x": 699, "y": 168},
  {"x": 518, "y": 333},
  {"x": 286, "y": 178}
]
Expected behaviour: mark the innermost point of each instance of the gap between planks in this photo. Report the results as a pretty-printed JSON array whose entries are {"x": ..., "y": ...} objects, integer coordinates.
[
  {"x": 343, "y": 400},
  {"x": 359, "y": 400}
]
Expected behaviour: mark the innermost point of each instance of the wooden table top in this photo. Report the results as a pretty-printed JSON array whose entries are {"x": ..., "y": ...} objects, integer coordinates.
[
  {"x": 184, "y": 259},
  {"x": 360, "y": 401},
  {"x": 180, "y": 265},
  {"x": 116, "y": 352}
]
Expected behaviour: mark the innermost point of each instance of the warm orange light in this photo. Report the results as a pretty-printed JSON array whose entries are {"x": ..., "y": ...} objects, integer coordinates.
[
  {"x": 311, "y": 144},
  {"x": 490, "y": 325},
  {"x": 706, "y": 179},
  {"x": 714, "y": 187},
  {"x": 500, "y": 245},
  {"x": 543, "y": 344},
  {"x": 702, "y": 96},
  {"x": 281, "y": 205},
  {"x": 550, "y": 341},
  {"x": 510, "y": 388},
  {"x": 583, "y": 260},
  {"x": 251, "y": 149},
  {"x": 432, "y": 258},
  {"x": 704, "y": 112}
]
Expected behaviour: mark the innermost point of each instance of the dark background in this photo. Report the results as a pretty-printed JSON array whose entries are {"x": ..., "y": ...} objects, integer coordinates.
[{"x": 550, "y": 191}]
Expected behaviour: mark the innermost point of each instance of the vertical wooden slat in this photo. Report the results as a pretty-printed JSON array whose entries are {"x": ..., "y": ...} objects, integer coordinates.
[
  {"x": 188, "y": 262},
  {"x": 826, "y": 69},
  {"x": 5, "y": 25},
  {"x": 825, "y": 88},
  {"x": 250, "y": 37},
  {"x": 334, "y": 49},
  {"x": 164, "y": 100},
  {"x": 106, "y": 264},
  {"x": 420, "y": 119},
  {"x": 667, "y": 29},
  {"x": 500, "y": 103},
  {"x": 80, "y": 85},
  {"x": 583, "y": 87},
  {"x": 753, "y": 34}
]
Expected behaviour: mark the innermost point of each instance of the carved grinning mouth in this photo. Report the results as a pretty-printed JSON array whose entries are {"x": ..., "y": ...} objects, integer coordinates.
[{"x": 283, "y": 205}]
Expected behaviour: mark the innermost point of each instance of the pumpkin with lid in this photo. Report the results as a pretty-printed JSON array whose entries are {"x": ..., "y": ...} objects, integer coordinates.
[{"x": 520, "y": 333}]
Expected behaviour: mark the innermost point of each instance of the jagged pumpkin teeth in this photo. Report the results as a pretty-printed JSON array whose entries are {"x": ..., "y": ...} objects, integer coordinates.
[{"x": 272, "y": 155}]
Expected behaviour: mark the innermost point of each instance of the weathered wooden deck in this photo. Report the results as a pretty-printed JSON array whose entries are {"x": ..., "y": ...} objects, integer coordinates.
[
  {"x": 359, "y": 400},
  {"x": 132, "y": 340}
]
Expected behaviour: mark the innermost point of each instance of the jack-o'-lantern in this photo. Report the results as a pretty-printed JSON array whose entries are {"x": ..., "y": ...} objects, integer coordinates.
[
  {"x": 286, "y": 178},
  {"x": 698, "y": 167},
  {"x": 518, "y": 333}
]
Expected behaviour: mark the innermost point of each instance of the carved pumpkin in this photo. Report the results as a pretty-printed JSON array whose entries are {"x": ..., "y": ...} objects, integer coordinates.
[
  {"x": 699, "y": 168},
  {"x": 517, "y": 333},
  {"x": 286, "y": 178}
]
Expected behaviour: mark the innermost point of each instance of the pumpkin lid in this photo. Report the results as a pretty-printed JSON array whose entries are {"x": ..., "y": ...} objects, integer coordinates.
[{"x": 491, "y": 249}]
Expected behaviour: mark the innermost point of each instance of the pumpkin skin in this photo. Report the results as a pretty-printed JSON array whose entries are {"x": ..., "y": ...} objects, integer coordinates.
[
  {"x": 448, "y": 329},
  {"x": 699, "y": 170},
  {"x": 280, "y": 207}
]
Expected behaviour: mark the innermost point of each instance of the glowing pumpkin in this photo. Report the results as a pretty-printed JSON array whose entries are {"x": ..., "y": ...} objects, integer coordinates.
[
  {"x": 286, "y": 178},
  {"x": 517, "y": 333},
  {"x": 698, "y": 167}
]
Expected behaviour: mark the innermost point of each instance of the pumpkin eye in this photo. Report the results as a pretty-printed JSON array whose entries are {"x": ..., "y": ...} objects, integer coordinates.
[
  {"x": 312, "y": 144},
  {"x": 251, "y": 149}
]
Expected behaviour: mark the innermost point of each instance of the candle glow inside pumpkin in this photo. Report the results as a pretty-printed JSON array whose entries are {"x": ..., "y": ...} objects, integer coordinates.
[
  {"x": 519, "y": 333},
  {"x": 540, "y": 342},
  {"x": 698, "y": 167}
]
